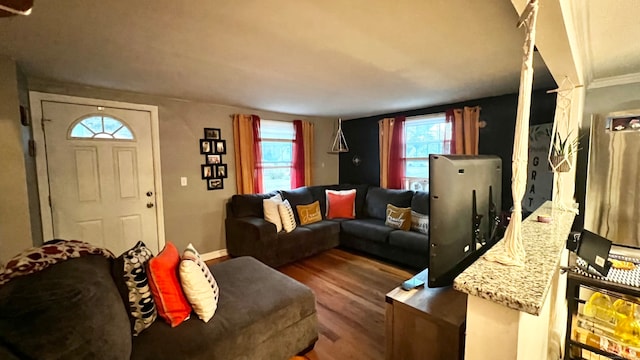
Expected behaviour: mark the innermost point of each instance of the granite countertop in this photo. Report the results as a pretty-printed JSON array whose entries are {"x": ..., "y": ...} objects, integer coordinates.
[{"x": 522, "y": 288}]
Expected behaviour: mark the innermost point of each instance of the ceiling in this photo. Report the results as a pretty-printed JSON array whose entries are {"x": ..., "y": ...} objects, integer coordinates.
[
  {"x": 608, "y": 33},
  {"x": 326, "y": 58}
]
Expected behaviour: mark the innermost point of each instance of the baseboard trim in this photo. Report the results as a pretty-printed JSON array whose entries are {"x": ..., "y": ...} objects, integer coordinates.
[{"x": 214, "y": 254}]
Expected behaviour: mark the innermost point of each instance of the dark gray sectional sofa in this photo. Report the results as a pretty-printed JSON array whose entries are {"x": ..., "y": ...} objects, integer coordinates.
[
  {"x": 72, "y": 310},
  {"x": 247, "y": 232}
]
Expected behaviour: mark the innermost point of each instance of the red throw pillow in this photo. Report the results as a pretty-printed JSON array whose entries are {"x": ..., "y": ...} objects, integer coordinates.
[
  {"x": 341, "y": 204},
  {"x": 162, "y": 271}
]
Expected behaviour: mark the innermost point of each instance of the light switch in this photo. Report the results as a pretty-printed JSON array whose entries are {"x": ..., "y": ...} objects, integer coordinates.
[{"x": 183, "y": 181}]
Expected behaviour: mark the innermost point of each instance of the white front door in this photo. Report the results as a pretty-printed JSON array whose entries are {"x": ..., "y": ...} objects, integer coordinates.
[{"x": 101, "y": 174}]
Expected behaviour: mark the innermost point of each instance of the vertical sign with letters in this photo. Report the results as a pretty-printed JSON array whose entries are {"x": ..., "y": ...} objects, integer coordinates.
[{"x": 539, "y": 175}]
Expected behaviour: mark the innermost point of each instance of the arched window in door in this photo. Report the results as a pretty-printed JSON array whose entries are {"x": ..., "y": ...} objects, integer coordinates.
[{"x": 100, "y": 127}]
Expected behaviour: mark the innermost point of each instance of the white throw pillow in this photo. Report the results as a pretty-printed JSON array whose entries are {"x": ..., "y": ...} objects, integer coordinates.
[
  {"x": 420, "y": 222},
  {"x": 271, "y": 214},
  {"x": 286, "y": 215},
  {"x": 198, "y": 284}
]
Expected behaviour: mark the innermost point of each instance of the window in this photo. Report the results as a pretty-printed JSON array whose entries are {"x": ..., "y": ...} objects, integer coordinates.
[
  {"x": 423, "y": 135},
  {"x": 276, "y": 143},
  {"x": 100, "y": 127}
]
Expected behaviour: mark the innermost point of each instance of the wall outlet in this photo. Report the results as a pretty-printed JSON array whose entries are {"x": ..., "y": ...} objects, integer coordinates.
[{"x": 183, "y": 181}]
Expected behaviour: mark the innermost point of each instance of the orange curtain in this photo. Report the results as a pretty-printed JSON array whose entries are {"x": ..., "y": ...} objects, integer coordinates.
[
  {"x": 465, "y": 130},
  {"x": 244, "y": 142},
  {"x": 307, "y": 135},
  {"x": 391, "y": 152}
]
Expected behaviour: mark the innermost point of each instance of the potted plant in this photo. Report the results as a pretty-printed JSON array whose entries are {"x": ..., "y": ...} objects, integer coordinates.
[{"x": 562, "y": 151}]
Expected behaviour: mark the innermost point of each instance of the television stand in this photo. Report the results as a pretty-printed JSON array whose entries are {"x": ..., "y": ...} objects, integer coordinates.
[{"x": 425, "y": 323}]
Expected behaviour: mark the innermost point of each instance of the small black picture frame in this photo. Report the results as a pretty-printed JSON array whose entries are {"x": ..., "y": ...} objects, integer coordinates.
[
  {"x": 215, "y": 184},
  {"x": 212, "y": 133},
  {"x": 206, "y": 146},
  {"x": 221, "y": 171},
  {"x": 221, "y": 147},
  {"x": 213, "y": 159},
  {"x": 208, "y": 171}
]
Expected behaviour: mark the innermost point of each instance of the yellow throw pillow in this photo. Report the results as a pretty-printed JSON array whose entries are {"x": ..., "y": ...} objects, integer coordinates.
[
  {"x": 309, "y": 214},
  {"x": 398, "y": 218}
]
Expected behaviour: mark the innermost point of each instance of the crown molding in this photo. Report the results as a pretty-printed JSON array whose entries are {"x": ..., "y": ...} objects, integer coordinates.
[{"x": 615, "y": 81}]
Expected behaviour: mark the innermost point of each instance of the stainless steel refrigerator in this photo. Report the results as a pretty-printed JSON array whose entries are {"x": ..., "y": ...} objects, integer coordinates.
[{"x": 612, "y": 202}]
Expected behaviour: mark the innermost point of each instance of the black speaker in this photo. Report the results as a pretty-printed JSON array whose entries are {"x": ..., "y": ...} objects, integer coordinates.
[{"x": 573, "y": 241}]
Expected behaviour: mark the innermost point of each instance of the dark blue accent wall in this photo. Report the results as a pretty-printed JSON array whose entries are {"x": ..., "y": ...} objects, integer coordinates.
[{"x": 495, "y": 139}]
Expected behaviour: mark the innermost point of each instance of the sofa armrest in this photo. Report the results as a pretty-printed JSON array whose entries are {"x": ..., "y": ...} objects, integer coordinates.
[{"x": 246, "y": 235}]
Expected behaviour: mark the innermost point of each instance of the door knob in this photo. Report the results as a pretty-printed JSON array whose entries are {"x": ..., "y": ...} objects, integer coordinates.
[
  {"x": 149, "y": 205},
  {"x": 149, "y": 193}
]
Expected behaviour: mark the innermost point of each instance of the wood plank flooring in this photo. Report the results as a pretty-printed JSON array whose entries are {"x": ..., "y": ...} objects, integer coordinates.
[{"x": 350, "y": 291}]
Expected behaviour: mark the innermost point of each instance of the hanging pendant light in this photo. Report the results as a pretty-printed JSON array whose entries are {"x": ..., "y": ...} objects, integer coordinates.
[{"x": 339, "y": 142}]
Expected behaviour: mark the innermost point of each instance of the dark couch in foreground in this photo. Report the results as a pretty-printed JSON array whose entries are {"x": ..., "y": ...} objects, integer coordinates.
[
  {"x": 72, "y": 310},
  {"x": 247, "y": 232}
]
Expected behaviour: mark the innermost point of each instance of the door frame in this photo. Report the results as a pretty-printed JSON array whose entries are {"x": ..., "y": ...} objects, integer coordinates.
[{"x": 35, "y": 100}]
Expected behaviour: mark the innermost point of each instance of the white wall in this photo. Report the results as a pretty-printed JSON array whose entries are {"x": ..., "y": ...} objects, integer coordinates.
[{"x": 15, "y": 225}]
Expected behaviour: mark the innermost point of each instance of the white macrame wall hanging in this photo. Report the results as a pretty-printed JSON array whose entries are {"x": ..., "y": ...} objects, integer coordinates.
[{"x": 513, "y": 252}]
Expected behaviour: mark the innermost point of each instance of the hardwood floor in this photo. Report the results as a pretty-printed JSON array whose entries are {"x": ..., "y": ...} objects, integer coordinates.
[{"x": 350, "y": 294}]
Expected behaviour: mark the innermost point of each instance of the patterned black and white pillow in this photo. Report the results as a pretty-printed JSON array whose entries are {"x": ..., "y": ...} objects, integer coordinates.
[
  {"x": 131, "y": 278},
  {"x": 198, "y": 284},
  {"x": 287, "y": 217}
]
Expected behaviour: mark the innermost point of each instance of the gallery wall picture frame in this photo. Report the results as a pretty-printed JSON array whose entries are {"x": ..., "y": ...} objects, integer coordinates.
[
  {"x": 214, "y": 159},
  {"x": 213, "y": 171},
  {"x": 206, "y": 146},
  {"x": 212, "y": 133},
  {"x": 215, "y": 184},
  {"x": 220, "y": 147},
  {"x": 221, "y": 171},
  {"x": 207, "y": 171}
]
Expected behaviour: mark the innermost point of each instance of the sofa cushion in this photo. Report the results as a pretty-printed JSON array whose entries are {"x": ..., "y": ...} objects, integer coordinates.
[
  {"x": 324, "y": 228},
  {"x": 398, "y": 218},
  {"x": 247, "y": 314},
  {"x": 170, "y": 301},
  {"x": 309, "y": 214},
  {"x": 287, "y": 216},
  {"x": 299, "y": 196},
  {"x": 271, "y": 213},
  {"x": 410, "y": 240},
  {"x": 71, "y": 310},
  {"x": 378, "y": 198},
  {"x": 318, "y": 193},
  {"x": 420, "y": 222},
  {"x": 420, "y": 202},
  {"x": 130, "y": 276},
  {"x": 370, "y": 229},
  {"x": 249, "y": 204},
  {"x": 341, "y": 204},
  {"x": 200, "y": 287}
]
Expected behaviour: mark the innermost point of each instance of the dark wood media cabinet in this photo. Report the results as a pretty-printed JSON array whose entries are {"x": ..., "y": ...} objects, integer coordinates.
[{"x": 425, "y": 323}]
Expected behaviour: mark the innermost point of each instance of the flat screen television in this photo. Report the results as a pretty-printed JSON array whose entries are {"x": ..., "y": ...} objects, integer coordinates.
[{"x": 465, "y": 197}]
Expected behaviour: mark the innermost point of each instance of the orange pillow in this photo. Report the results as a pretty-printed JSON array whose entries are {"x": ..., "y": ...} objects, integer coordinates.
[
  {"x": 162, "y": 271},
  {"x": 341, "y": 204}
]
